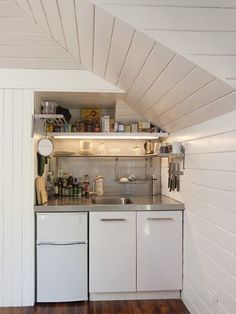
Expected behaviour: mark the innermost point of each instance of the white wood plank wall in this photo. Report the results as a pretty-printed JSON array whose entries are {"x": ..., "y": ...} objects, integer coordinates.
[
  {"x": 16, "y": 198},
  {"x": 17, "y": 287},
  {"x": 209, "y": 192}
]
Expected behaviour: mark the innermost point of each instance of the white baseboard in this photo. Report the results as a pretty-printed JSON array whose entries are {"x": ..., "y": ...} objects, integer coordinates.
[{"x": 149, "y": 295}]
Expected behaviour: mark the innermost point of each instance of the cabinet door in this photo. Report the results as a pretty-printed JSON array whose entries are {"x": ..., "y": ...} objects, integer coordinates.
[
  {"x": 159, "y": 251},
  {"x": 112, "y": 251}
]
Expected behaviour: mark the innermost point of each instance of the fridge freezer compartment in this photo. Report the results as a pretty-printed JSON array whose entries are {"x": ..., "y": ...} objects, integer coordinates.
[
  {"x": 62, "y": 272},
  {"x": 62, "y": 227}
]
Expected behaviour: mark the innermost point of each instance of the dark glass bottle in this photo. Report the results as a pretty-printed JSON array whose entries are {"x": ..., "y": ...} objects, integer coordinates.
[
  {"x": 75, "y": 188},
  {"x": 56, "y": 188},
  {"x": 59, "y": 186}
]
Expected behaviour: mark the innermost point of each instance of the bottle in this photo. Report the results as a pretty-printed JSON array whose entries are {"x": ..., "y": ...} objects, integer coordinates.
[
  {"x": 56, "y": 188},
  {"x": 75, "y": 188},
  {"x": 97, "y": 128},
  {"x": 48, "y": 185},
  {"x": 71, "y": 191},
  {"x": 60, "y": 186},
  {"x": 86, "y": 186},
  {"x": 80, "y": 190},
  {"x": 70, "y": 180},
  {"x": 64, "y": 188}
]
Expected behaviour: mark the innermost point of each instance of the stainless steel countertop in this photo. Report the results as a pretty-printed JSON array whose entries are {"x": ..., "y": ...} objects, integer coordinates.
[{"x": 139, "y": 203}]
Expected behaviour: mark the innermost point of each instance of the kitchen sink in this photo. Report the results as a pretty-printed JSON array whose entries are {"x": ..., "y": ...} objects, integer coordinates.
[{"x": 111, "y": 200}]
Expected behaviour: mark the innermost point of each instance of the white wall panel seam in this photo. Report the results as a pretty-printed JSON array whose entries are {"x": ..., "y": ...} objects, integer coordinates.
[
  {"x": 226, "y": 273},
  {"x": 39, "y": 14},
  {"x": 209, "y": 186},
  {"x": 67, "y": 15},
  {"x": 109, "y": 49},
  {"x": 205, "y": 202},
  {"x": 215, "y": 235},
  {"x": 28, "y": 221},
  {"x": 207, "y": 219},
  {"x": 188, "y": 302},
  {"x": 185, "y": 98},
  {"x": 200, "y": 108},
  {"x": 233, "y": 256},
  {"x": 212, "y": 169},
  {"x": 202, "y": 306},
  {"x": 25, "y": 7},
  {"x": 210, "y": 153},
  {"x": 217, "y": 125},
  {"x": 153, "y": 47},
  {"x": 32, "y": 12},
  {"x": 181, "y": 4},
  {"x": 126, "y": 56},
  {"x": 17, "y": 190},
  {"x": 156, "y": 78},
  {"x": 202, "y": 289},
  {"x": 94, "y": 18},
  {"x": 210, "y": 136},
  {"x": 77, "y": 31},
  {"x": 62, "y": 27},
  {"x": 52, "y": 36},
  {"x": 46, "y": 17},
  {"x": 7, "y": 200},
  {"x": 214, "y": 282},
  {"x": 167, "y": 92},
  {"x": 14, "y": 209},
  {"x": 23, "y": 202}
]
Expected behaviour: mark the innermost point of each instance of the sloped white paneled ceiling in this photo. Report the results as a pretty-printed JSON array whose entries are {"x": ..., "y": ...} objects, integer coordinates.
[
  {"x": 202, "y": 30},
  {"x": 162, "y": 86},
  {"x": 24, "y": 44}
]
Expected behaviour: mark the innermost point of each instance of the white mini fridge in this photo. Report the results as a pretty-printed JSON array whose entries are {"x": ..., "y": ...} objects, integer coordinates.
[{"x": 62, "y": 257}]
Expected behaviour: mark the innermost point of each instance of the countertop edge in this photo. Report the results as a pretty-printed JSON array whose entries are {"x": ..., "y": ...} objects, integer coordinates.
[
  {"x": 101, "y": 207},
  {"x": 139, "y": 203}
]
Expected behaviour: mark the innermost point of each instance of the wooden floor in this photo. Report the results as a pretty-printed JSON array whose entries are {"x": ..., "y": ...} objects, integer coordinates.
[{"x": 108, "y": 307}]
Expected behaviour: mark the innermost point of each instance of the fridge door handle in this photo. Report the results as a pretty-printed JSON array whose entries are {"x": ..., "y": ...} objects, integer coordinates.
[
  {"x": 160, "y": 218},
  {"x": 61, "y": 243}
]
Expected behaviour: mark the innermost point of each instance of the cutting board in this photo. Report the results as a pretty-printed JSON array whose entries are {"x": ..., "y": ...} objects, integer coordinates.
[{"x": 40, "y": 191}]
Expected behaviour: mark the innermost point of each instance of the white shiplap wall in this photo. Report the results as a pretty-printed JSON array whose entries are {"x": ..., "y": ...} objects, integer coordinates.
[
  {"x": 16, "y": 198},
  {"x": 209, "y": 192},
  {"x": 17, "y": 172}
]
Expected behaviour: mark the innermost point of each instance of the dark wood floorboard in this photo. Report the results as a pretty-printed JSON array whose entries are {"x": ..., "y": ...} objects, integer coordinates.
[{"x": 104, "y": 307}]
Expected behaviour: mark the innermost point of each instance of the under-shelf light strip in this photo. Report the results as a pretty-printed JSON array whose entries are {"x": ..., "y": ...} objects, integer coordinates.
[
  {"x": 105, "y": 137},
  {"x": 100, "y": 137}
]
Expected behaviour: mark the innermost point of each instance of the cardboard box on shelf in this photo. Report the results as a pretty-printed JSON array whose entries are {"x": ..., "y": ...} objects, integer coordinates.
[{"x": 144, "y": 126}]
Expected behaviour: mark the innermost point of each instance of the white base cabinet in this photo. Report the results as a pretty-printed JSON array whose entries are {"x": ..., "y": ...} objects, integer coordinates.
[
  {"x": 135, "y": 252},
  {"x": 159, "y": 251},
  {"x": 112, "y": 251}
]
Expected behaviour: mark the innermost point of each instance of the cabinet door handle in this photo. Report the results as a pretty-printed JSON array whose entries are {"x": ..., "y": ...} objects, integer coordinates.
[
  {"x": 160, "y": 218},
  {"x": 113, "y": 219},
  {"x": 60, "y": 243}
]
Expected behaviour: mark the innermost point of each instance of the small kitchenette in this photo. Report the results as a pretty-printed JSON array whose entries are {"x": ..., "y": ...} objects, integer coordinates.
[{"x": 103, "y": 229}]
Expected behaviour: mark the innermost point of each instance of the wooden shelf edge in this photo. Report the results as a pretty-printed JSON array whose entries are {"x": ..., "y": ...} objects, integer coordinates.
[{"x": 106, "y": 135}]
